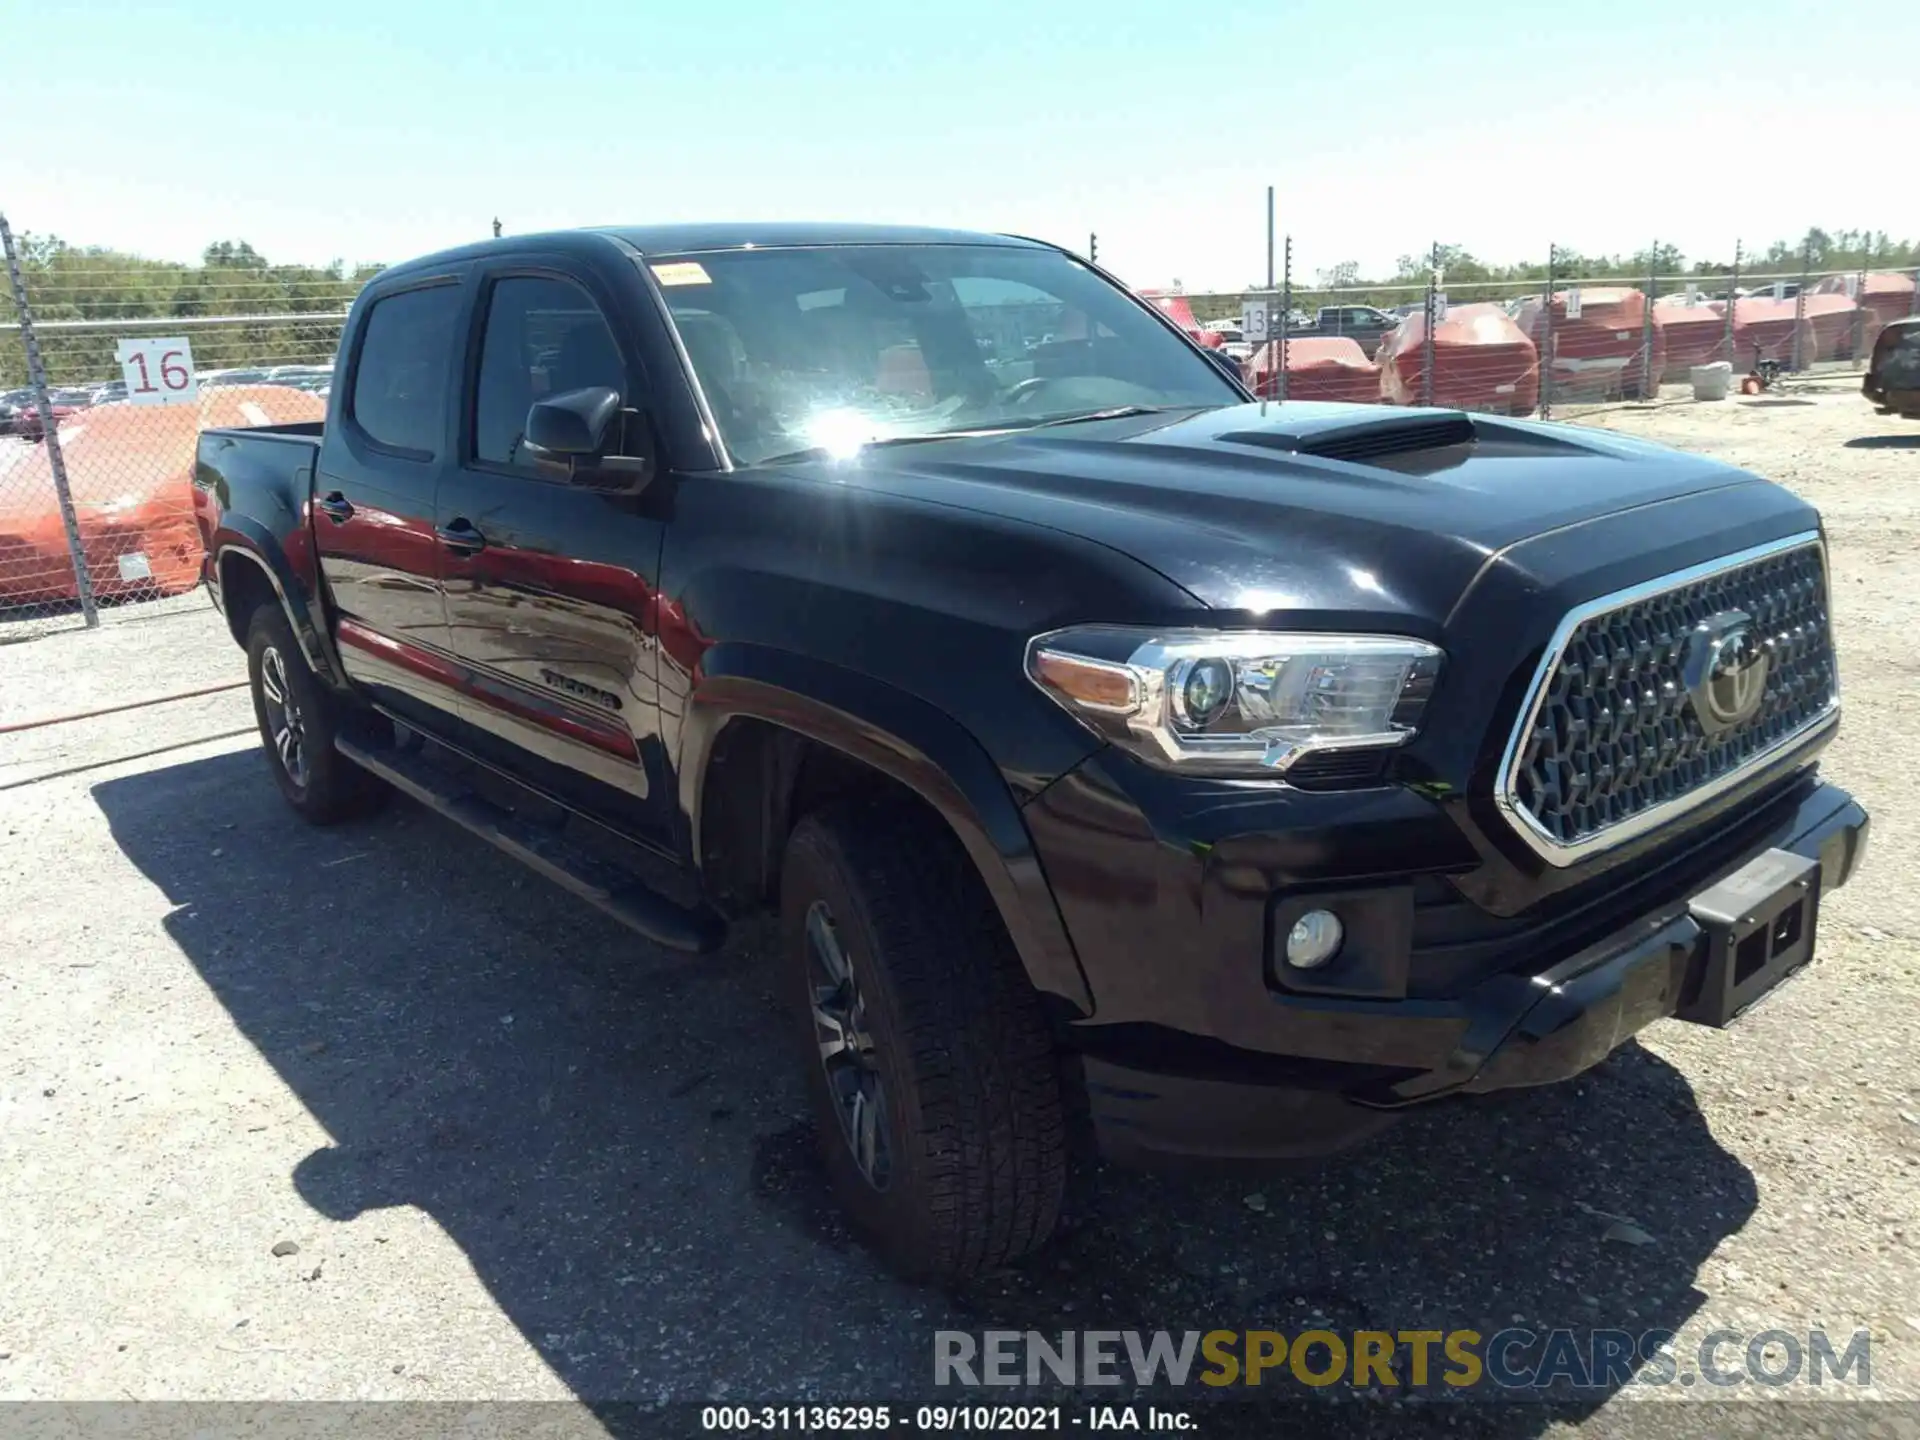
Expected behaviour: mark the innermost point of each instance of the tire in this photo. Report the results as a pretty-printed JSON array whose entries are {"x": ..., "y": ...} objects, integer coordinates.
[
  {"x": 969, "y": 1146},
  {"x": 322, "y": 785}
]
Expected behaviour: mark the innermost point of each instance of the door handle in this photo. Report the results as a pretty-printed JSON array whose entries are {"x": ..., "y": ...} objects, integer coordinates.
[
  {"x": 461, "y": 537},
  {"x": 336, "y": 507}
]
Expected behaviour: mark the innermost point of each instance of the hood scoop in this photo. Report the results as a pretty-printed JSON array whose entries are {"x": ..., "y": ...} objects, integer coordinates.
[{"x": 1437, "y": 437}]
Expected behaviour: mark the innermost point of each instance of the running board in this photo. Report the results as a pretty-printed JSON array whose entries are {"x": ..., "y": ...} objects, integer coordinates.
[{"x": 641, "y": 909}]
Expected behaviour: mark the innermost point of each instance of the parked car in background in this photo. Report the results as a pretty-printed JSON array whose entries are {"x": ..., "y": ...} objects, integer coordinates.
[
  {"x": 109, "y": 392},
  {"x": 1365, "y": 324},
  {"x": 1124, "y": 761},
  {"x": 215, "y": 378},
  {"x": 1892, "y": 381},
  {"x": 12, "y": 402},
  {"x": 64, "y": 404},
  {"x": 301, "y": 377}
]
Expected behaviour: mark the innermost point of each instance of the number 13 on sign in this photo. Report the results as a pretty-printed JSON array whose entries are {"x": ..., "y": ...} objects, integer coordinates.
[{"x": 158, "y": 372}]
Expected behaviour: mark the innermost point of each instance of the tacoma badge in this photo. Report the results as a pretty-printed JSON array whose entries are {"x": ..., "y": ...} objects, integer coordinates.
[{"x": 605, "y": 699}]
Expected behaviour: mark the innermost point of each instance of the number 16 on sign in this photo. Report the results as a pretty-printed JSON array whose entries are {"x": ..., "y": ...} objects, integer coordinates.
[{"x": 158, "y": 372}]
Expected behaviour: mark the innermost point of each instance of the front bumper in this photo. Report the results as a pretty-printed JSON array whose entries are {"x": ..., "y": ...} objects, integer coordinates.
[{"x": 1521, "y": 1027}]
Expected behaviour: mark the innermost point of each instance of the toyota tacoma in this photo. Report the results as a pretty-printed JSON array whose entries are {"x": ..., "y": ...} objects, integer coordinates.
[{"x": 1125, "y": 761}]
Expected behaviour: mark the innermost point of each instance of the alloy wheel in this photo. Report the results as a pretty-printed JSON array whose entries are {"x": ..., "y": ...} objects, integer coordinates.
[
  {"x": 284, "y": 722},
  {"x": 846, "y": 1047}
]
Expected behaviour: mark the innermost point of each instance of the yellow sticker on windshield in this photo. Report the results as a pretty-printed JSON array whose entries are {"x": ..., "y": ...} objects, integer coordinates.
[{"x": 682, "y": 272}]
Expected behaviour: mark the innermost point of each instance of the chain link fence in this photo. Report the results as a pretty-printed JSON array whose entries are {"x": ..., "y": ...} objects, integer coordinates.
[
  {"x": 110, "y": 366},
  {"x": 1554, "y": 338},
  {"x": 107, "y": 374}
]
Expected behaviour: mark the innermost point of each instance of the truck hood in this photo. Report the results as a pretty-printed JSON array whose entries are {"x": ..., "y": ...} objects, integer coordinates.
[{"x": 1320, "y": 509}]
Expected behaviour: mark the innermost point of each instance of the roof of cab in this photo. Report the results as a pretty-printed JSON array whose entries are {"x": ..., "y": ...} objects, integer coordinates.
[
  {"x": 705, "y": 237},
  {"x": 739, "y": 235}
]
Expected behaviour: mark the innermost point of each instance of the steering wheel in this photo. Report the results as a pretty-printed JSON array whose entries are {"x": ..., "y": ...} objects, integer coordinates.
[{"x": 1032, "y": 385}]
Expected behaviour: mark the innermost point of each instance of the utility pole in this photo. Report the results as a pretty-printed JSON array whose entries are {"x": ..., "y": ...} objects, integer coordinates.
[
  {"x": 1274, "y": 353},
  {"x": 1286, "y": 309},
  {"x": 1433, "y": 320},
  {"x": 1733, "y": 301},
  {"x": 1547, "y": 339},
  {"x": 1270, "y": 275}
]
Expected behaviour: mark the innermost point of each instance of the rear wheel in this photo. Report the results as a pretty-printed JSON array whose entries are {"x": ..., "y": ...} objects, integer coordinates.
[
  {"x": 298, "y": 719},
  {"x": 934, "y": 1082}
]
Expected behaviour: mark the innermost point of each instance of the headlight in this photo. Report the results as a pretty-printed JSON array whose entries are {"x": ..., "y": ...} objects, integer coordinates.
[{"x": 1236, "y": 702}]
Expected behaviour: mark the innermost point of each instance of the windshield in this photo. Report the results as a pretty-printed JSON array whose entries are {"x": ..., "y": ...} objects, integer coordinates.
[{"x": 830, "y": 348}]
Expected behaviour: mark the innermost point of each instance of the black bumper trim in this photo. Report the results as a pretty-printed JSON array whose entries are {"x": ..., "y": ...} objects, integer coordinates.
[{"x": 1513, "y": 1030}]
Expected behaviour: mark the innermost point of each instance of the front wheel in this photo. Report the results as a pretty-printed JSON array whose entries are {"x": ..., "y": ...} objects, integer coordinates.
[
  {"x": 298, "y": 719},
  {"x": 933, "y": 1077}
]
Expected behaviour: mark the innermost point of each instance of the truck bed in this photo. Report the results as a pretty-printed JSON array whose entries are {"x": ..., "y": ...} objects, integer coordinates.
[{"x": 289, "y": 430}]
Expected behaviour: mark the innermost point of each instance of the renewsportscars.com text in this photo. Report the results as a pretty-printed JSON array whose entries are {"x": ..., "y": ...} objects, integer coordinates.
[{"x": 1445, "y": 1360}]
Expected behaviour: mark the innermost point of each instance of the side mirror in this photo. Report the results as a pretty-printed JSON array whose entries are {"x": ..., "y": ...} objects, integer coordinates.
[
  {"x": 574, "y": 430},
  {"x": 572, "y": 425}
]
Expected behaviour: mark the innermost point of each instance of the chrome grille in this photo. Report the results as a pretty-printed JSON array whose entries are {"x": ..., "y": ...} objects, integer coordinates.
[{"x": 1612, "y": 742}]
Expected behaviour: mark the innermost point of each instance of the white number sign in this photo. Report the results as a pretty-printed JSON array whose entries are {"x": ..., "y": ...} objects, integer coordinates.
[
  {"x": 158, "y": 372},
  {"x": 1779, "y": 289},
  {"x": 1253, "y": 321},
  {"x": 1439, "y": 306},
  {"x": 1573, "y": 303},
  {"x": 1693, "y": 294}
]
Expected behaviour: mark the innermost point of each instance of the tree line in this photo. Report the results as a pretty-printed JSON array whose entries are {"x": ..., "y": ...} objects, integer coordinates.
[
  {"x": 1468, "y": 278},
  {"x": 92, "y": 283}
]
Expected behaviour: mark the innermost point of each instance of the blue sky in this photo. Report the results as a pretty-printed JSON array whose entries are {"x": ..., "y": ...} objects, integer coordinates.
[{"x": 323, "y": 129}]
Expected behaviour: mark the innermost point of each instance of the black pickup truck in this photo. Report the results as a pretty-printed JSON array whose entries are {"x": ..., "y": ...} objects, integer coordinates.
[
  {"x": 1892, "y": 381},
  {"x": 1364, "y": 324},
  {"x": 1124, "y": 760}
]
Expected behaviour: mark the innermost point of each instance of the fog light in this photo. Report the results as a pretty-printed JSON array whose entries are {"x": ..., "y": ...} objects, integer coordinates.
[{"x": 1314, "y": 939}]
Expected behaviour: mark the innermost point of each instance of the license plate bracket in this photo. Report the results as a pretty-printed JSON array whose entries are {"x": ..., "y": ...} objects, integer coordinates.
[{"x": 1759, "y": 925}]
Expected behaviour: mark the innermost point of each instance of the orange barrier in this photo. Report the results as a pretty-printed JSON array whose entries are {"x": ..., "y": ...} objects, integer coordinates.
[
  {"x": 1887, "y": 296},
  {"x": 1694, "y": 334},
  {"x": 1599, "y": 355},
  {"x": 130, "y": 471},
  {"x": 1481, "y": 361},
  {"x": 1177, "y": 309},
  {"x": 1763, "y": 328},
  {"x": 1318, "y": 368}
]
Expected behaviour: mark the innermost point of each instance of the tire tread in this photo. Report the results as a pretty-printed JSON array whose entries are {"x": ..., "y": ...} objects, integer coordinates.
[{"x": 991, "y": 1139}]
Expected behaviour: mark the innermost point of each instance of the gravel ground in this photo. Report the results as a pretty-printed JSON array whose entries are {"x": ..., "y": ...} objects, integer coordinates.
[{"x": 371, "y": 1113}]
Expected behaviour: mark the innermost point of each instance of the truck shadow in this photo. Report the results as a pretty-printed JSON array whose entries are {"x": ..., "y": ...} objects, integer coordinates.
[{"x": 616, "y": 1140}]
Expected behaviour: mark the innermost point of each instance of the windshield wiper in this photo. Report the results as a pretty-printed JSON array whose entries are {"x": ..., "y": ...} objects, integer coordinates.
[
  {"x": 821, "y": 452},
  {"x": 1117, "y": 412},
  {"x": 1110, "y": 413}
]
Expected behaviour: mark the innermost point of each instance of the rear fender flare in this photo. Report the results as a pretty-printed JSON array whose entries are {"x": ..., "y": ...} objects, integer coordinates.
[
  {"x": 245, "y": 541},
  {"x": 914, "y": 744}
]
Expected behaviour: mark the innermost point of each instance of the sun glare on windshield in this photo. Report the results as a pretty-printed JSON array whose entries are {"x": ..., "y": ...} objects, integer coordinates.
[
  {"x": 824, "y": 350},
  {"x": 841, "y": 432}
]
